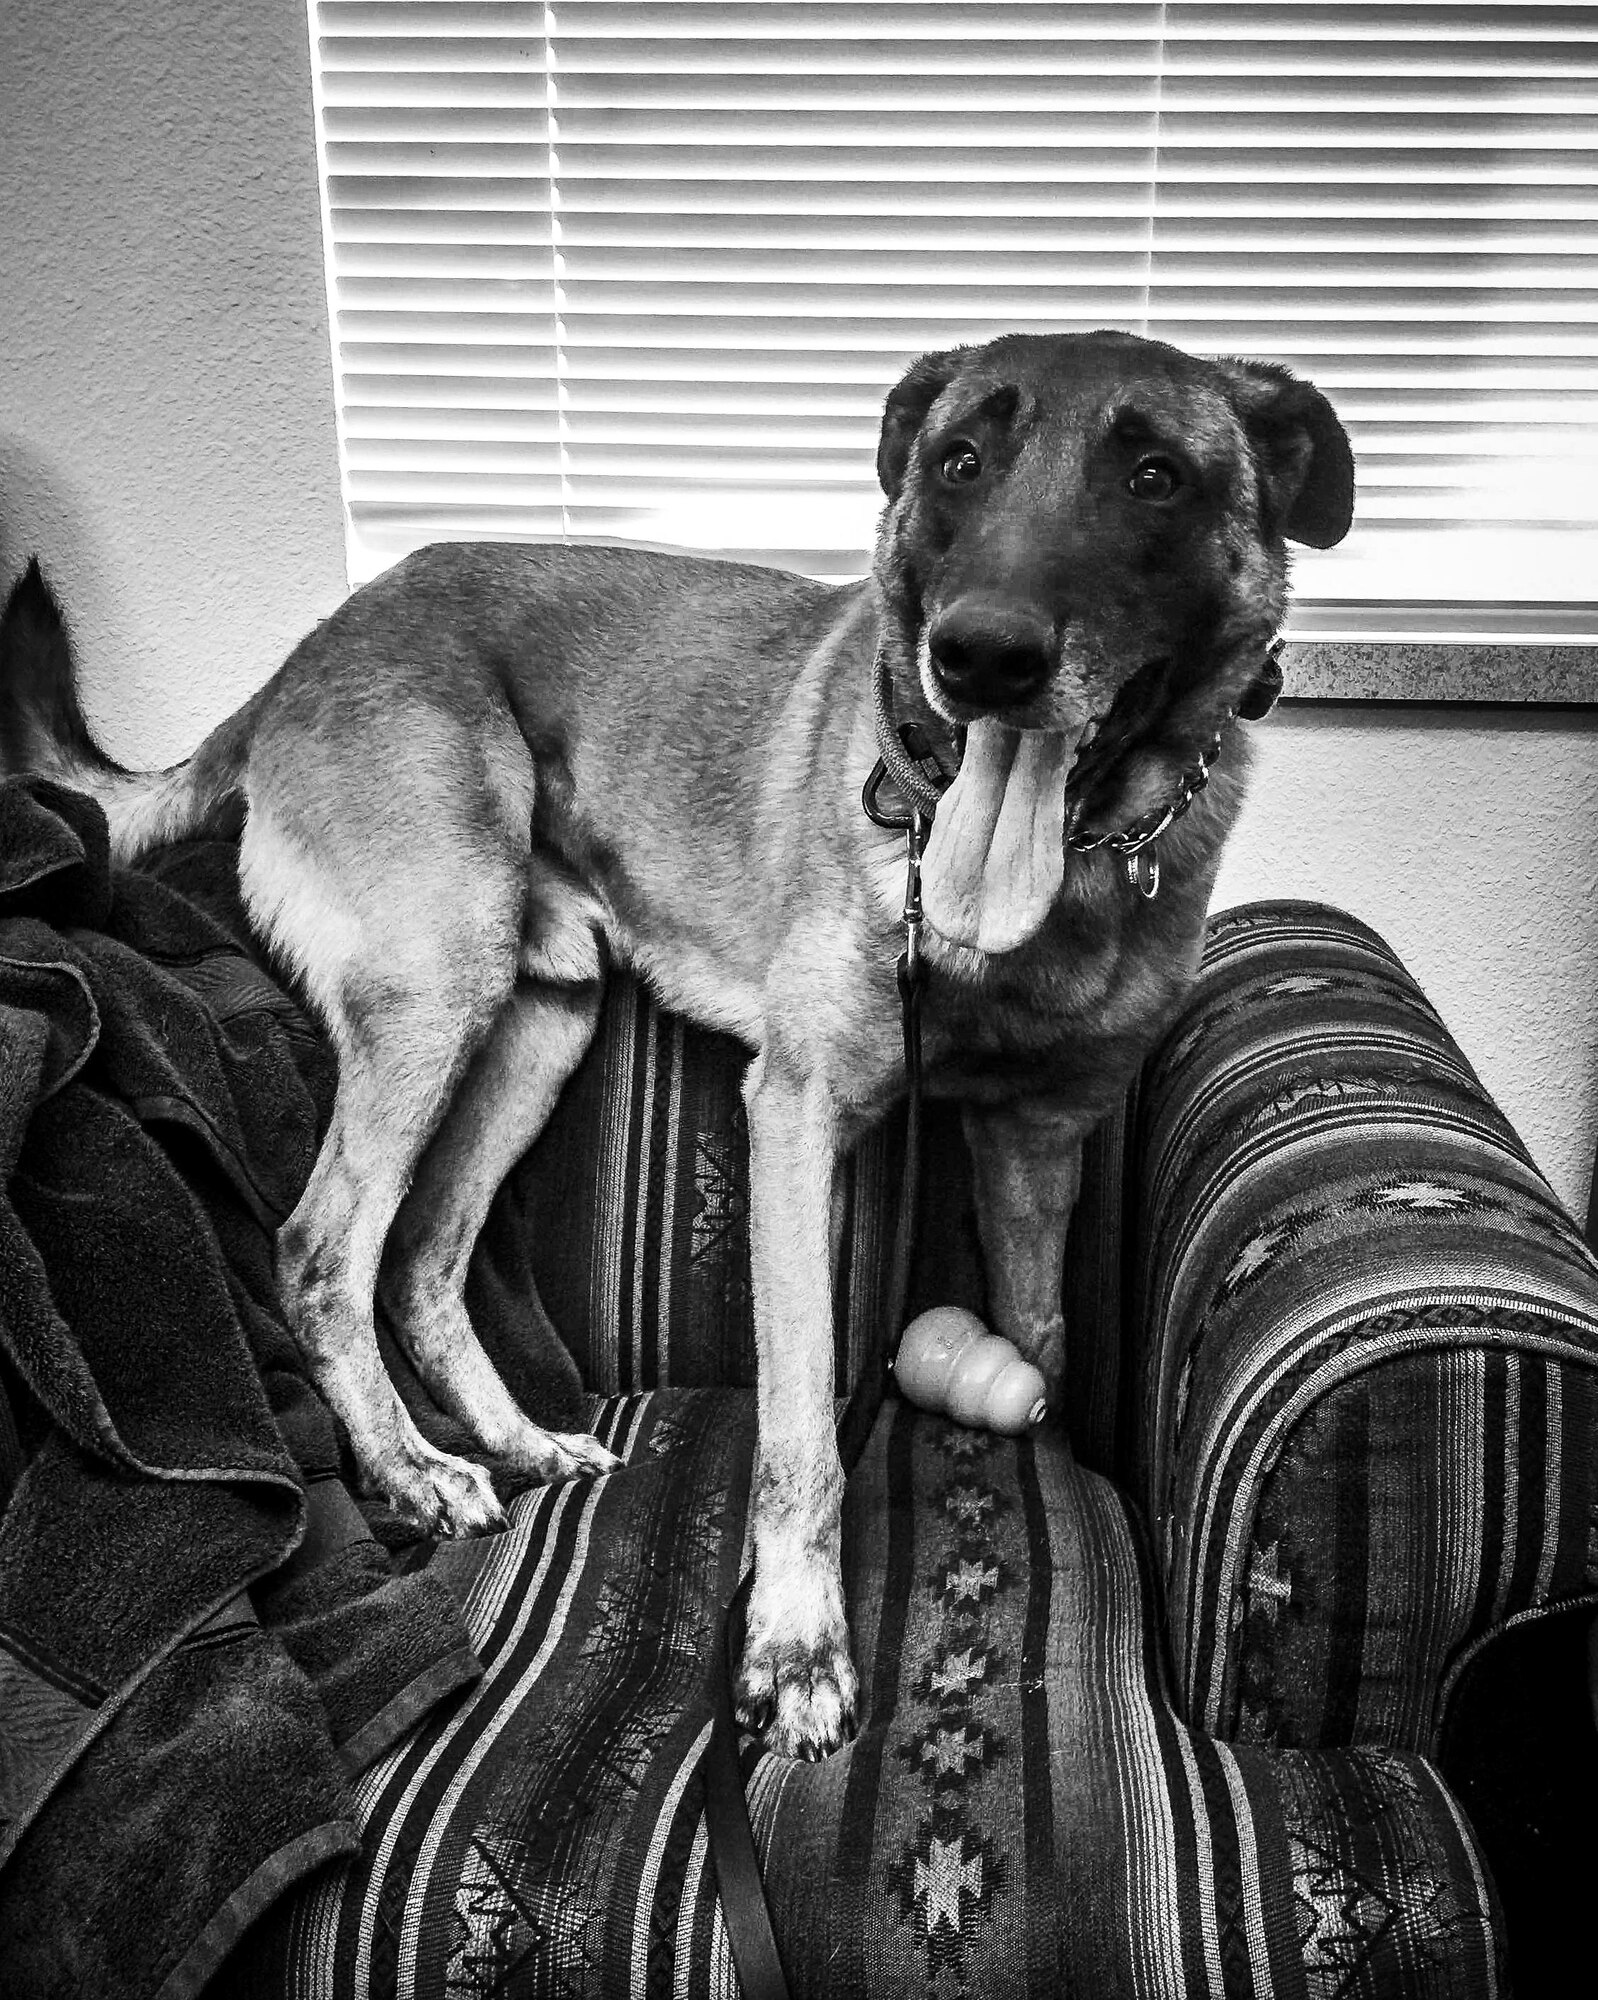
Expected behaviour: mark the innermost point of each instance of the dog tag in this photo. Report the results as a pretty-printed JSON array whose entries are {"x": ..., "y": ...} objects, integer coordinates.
[{"x": 1143, "y": 871}]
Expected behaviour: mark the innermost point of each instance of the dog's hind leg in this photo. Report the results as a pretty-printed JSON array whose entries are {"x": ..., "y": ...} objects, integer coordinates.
[
  {"x": 393, "y": 1081},
  {"x": 501, "y": 1106},
  {"x": 409, "y": 953}
]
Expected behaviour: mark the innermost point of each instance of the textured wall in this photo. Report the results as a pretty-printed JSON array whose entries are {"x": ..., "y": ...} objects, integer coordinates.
[
  {"x": 166, "y": 401},
  {"x": 167, "y": 444}
]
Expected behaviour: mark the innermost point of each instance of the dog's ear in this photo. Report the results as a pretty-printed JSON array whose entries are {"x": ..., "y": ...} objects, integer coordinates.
[
  {"x": 924, "y": 382},
  {"x": 1303, "y": 452}
]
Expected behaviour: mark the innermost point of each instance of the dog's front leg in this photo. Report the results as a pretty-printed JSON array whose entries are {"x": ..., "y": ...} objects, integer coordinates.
[
  {"x": 1027, "y": 1164},
  {"x": 797, "y": 1686}
]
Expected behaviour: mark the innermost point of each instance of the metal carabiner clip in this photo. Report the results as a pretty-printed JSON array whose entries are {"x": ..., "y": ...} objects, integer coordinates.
[
  {"x": 872, "y": 805},
  {"x": 915, "y": 839}
]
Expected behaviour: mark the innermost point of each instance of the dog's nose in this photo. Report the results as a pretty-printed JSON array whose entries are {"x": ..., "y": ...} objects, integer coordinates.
[{"x": 990, "y": 656}]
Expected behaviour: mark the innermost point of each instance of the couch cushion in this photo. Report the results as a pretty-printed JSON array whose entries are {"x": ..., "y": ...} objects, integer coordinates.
[
  {"x": 1020, "y": 1812},
  {"x": 1366, "y": 1417}
]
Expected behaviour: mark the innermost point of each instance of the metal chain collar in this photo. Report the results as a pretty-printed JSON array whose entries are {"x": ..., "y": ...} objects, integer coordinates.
[{"x": 1136, "y": 843}]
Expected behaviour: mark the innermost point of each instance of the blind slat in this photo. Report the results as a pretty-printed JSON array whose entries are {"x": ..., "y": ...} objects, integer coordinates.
[{"x": 646, "y": 268}]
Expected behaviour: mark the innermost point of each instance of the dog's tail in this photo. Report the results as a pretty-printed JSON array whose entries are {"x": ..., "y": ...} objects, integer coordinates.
[{"x": 43, "y": 730}]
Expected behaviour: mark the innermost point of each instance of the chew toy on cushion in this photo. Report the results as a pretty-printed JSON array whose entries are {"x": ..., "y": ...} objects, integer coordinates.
[
  {"x": 949, "y": 1362},
  {"x": 995, "y": 858}
]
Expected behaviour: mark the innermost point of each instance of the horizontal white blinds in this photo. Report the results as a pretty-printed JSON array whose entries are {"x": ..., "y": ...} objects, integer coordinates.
[
  {"x": 1402, "y": 202},
  {"x": 645, "y": 269}
]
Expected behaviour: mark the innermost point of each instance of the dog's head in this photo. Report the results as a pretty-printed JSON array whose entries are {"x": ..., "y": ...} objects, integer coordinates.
[{"x": 1085, "y": 534}]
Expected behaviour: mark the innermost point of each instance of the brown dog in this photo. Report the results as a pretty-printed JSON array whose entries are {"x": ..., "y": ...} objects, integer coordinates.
[{"x": 495, "y": 763}]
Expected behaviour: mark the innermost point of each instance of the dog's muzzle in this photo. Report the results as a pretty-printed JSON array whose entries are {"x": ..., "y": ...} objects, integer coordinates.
[{"x": 990, "y": 654}]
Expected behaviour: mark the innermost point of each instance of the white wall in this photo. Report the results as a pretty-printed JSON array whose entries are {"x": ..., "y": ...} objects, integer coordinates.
[
  {"x": 167, "y": 445},
  {"x": 166, "y": 392}
]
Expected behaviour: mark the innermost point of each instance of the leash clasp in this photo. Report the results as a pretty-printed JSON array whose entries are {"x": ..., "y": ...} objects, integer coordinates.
[
  {"x": 912, "y": 967},
  {"x": 871, "y": 801},
  {"x": 914, "y": 783},
  {"x": 915, "y": 823}
]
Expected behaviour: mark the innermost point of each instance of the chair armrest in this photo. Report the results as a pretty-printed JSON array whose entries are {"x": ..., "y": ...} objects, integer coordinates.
[{"x": 1367, "y": 1341}]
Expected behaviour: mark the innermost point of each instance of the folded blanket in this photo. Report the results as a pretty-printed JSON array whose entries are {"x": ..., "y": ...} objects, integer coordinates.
[{"x": 200, "y": 1641}]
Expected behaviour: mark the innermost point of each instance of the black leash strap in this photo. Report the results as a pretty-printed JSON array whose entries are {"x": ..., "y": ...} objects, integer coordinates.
[
  {"x": 744, "y": 1908},
  {"x": 732, "y": 1839}
]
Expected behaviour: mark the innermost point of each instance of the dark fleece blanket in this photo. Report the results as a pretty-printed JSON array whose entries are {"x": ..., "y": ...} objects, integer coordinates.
[{"x": 201, "y": 1642}]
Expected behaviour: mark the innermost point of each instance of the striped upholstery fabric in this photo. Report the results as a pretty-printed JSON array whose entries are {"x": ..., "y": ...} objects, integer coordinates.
[
  {"x": 1022, "y": 1812},
  {"x": 509, "y": 1843},
  {"x": 637, "y": 1200},
  {"x": 1332, "y": 1341},
  {"x": 1367, "y": 1332}
]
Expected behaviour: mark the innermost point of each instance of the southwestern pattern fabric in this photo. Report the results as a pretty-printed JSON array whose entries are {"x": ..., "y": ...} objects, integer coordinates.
[
  {"x": 637, "y": 1198},
  {"x": 1334, "y": 1342},
  {"x": 1021, "y": 1813},
  {"x": 1366, "y": 1332},
  {"x": 1153, "y": 1699},
  {"x": 637, "y": 1202}
]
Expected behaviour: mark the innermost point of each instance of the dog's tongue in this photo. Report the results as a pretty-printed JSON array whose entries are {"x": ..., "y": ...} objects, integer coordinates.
[{"x": 995, "y": 858}]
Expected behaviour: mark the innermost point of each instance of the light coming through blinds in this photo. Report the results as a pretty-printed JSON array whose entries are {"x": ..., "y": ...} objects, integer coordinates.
[{"x": 645, "y": 269}]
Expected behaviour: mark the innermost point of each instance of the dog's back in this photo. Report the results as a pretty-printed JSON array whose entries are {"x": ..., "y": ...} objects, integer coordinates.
[{"x": 673, "y": 663}]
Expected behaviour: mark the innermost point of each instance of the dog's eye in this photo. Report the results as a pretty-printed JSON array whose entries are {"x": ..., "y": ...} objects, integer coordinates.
[
  {"x": 1155, "y": 479},
  {"x": 961, "y": 465}
]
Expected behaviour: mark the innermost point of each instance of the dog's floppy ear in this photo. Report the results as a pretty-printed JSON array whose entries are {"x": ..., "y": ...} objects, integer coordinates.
[
  {"x": 924, "y": 382},
  {"x": 1303, "y": 452}
]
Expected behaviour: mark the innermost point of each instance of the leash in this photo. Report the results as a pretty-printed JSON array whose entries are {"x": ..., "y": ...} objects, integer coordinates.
[
  {"x": 731, "y": 1838},
  {"x": 906, "y": 758}
]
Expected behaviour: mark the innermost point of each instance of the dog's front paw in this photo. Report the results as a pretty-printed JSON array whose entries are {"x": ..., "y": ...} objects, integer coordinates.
[
  {"x": 447, "y": 1496},
  {"x": 797, "y": 1692}
]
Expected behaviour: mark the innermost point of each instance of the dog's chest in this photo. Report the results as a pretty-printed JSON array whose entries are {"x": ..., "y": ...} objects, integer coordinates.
[{"x": 1071, "y": 1015}]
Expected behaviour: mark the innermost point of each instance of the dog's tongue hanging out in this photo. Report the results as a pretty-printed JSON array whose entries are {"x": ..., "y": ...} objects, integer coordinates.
[{"x": 995, "y": 859}]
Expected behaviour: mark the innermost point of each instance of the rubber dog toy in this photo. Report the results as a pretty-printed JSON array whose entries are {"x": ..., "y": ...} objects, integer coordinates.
[{"x": 949, "y": 1362}]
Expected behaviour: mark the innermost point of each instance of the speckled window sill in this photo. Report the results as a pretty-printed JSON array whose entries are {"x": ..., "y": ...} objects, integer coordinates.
[{"x": 1408, "y": 671}]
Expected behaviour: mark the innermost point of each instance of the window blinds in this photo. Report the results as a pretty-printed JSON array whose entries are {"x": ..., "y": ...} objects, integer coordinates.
[{"x": 645, "y": 269}]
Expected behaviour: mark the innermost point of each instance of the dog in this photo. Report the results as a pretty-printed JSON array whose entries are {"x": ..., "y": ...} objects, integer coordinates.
[{"x": 497, "y": 768}]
